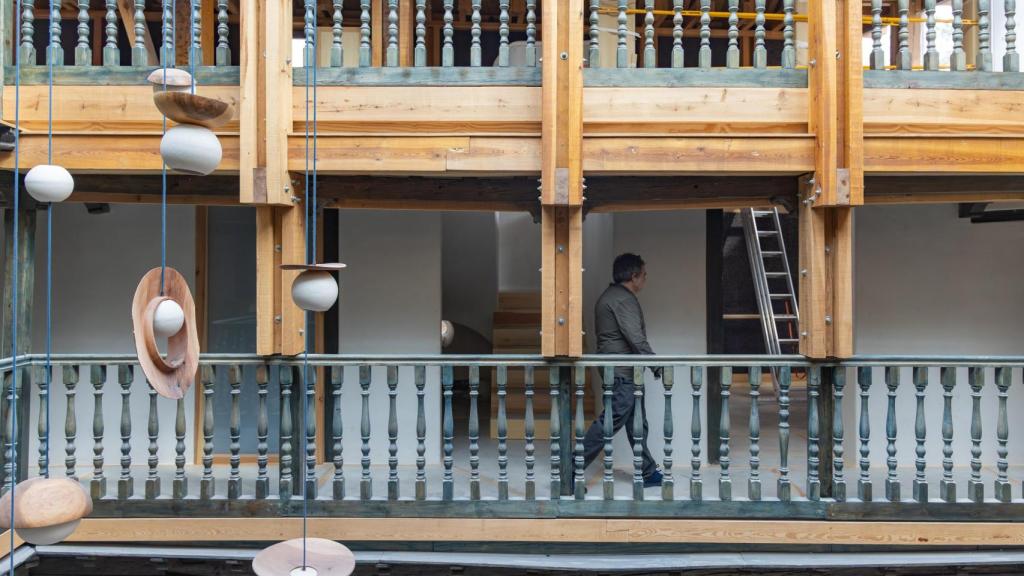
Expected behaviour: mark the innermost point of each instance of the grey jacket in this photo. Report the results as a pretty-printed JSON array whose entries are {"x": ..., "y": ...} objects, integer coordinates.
[{"x": 620, "y": 327}]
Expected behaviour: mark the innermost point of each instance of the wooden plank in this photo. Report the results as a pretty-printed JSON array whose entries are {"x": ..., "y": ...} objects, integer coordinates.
[
  {"x": 562, "y": 104},
  {"x": 941, "y": 80},
  {"x": 377, "y": 34},
  {"x": 450, "y": 77},
  {"x": 293, "y": 251},
  {"x": 944, "y": 155},
  {"x": 529, "y": 301},
  {"x": 699, "y": 155},
  {"x": 112, "y": 152},
  {"x": 268, "y": 280},
  {"x": 600, "y": 530},
  {"x": 850, "y": 95},
  {"x": 694, "y": 78},
  {"x": 894, "y": 111},
  {"x": 813, "y": 285},
  {"x": 824, "y": 96},
  {"x": 841, "y": 269},
  {"x": 119, "y": 75}
]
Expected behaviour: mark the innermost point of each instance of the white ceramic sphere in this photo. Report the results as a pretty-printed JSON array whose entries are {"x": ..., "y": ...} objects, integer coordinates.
[
  {"x": 191, "y": 149},
  {"x": 315, "y": 291},
  {"x": 49, "y": 183},
  {"x": 48, "y": 535},
  {"x": 447, "y": 333},
  {"x": 168, "y": 319}
]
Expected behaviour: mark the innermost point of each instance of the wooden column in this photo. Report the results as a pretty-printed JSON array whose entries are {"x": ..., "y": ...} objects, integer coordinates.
[
  {"x": 280, "y": 238},
  {"x": 826, "y": 229},
  {"x": 562, "y": 179}
]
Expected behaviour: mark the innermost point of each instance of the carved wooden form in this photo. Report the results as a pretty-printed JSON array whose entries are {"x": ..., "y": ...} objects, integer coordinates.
[
  {"x": 322, "y": 267},
  {"x": 170, "y": 376},
  {"x": 42, "y": 502},
  {"x": 327, "y": 557},
  {"x": 188, "y": 108}
]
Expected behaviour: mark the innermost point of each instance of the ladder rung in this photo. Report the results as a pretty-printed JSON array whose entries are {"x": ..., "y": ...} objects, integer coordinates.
[
  {"x": 772, "y": 253},
  {"x": 776, "y": 274},
  {"x": 781, "y": 296},
  {"x": 788, "y": 340},
  {"x": 785, "y": 317},
  {"x": 767, "y": 233},
  {"x": 762, "y": 212}
]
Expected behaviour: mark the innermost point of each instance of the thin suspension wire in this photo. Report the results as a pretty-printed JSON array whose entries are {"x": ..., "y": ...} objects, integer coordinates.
[
  {"x": 49, "y": 243},
  {"x": 14, "y": 283},
  {"x": 163, "y": 165}
]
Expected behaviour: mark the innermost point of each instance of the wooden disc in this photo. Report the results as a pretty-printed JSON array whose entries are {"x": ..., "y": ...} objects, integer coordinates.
[
  {"x": 327, "y": 557},
  {"x": 323, "y": 266},
  {"x": 172, "y": 376},
  {"x": 172, "y": 78},
  {"x": 188, "y": 108},
  {"x": 42, "y": 502}
]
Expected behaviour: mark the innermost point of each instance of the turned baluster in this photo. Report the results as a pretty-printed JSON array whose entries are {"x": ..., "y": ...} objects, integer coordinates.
[
  {"x": 262, "y": 431},
  {"x": 947, "y": 486},
  {"x": 579, "y": 480},
  {"x": 958, "y": 60},
  {"x": 696, "y": 483},
  {"x": 503, "y": 31},
  {"x": 668, "y": 484},
  {"x": 608, "y": 432},
  {"x": 784, "y": 484},
  {"x": 337, "y": 432},
  {"x": 448, "y": 34},
  {"x": 474, "y": 433},
  {"x": 153, "y": 461},
  {"x": 984, "y": 61},
  {"x": 1002, "y": 483},
  {"x": 864, "y": 375},
  {"x": 813, "y": 432},
  {"x": 391, "y": 54},
  {"x": 892, "y": 482},
  {"x": 975, "y": 488},
  {"x": 705, "y": 34},
  {"x": 285, "y": 377},
  {"x": 531, "y": 33},
  {"x": 1011, "y": 59},
  {"x": 309, "y": 433},
  {"x": 650, "y": 54},
  {"x": 208, "y": 380},
  {"x": 235, "y": 433},
  {"x": 179, "y": 488},
  {"x": 594, "y": 54},
  {"x": 448, "y": 434},
  {"x": 838, "y": 433},
  {"x": 70, "y": 377},
  {"x": 223, "y": 32},
  {"x": 365, "y": 480},
  {"x": 420, "y": 377},
  {"x": 337, "y": 47},
  {"x": 126, "y": 484},
  {"x": 677, "y": 34},
  {"x": 760, "y": 51},
  {"x": 98, "y": 485},
  {"x": 931, "y": 55},
  {"x": 754, "y": 481},
  {"x": 530, "y": 485},
  {"x": 392, "y": 432},
  {"x": 788, "y": 35},
  {"x": 111, "y": 53},
  {"x": 43, "y": 429},
  {"x": 920, "y": 486},
  {"x": 877, "y": 54},
  {"x": 55, "y": 54},
  {"x": 724, "y": 479},
  {"x": 556, "y": 434},
  {"x": 475, "y": 50},
  {"x": 502, "y": 390},
  {"x": 364, "y": 33},
  {"x": 140, "y": 57},
  {"x": 622, "y": 51},
  {"x": 167, "y": 51},
  {"x": 732, "y": 53},
  {"x": 196, "y": 47}
]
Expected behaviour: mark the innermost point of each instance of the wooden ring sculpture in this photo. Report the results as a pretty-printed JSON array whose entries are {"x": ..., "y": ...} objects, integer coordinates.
[
  {"x": 170, "y": 376},
  {"x": 46, "y": 510},
  {"x": 323, "y": 558}
]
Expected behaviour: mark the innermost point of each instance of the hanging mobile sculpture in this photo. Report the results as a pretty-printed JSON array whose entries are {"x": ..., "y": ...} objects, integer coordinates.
[
  {"x": 314, "y": 290},
  {"x": 42, "y": 510}
]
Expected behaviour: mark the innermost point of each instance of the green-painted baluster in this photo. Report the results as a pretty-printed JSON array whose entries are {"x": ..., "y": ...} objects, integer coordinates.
[
  {"x": 696, "y": 483},
  {"x": 502, "y": 377},
  {"x": 223, "y": 32},
  {"x": 262, "y": 430},
  {"x": 126, "y": 484},
  {"x": 760, "y": 52},
  {"x": 285, "y": 378},
  {"x": 474, "y": 432},
  {"x": 638, "y": 432},
  {"x": 788, "y": 35},
  {"x": 668, "y": 484},
  {"x": 111, "y": 53},
  {"x": 83, "y": 51},
  {"x": 732, "y": 53},
  {"x": 556, "y": 434},
  {"x": 864, "y": 435},
  {"x": 958, "y": 60},
  {"x": 754, "y": 481},
  {"x": 594, "y": 55},
  {"x": 43, "y": 429},
  {"x": 609, "y": 432},
  {"x": 337, "y": 432},
  {"x": 179, "y": 489},
  {"x": 55, "y": 53},
  {"x": 975, "y": 488},
  {"x": 531, "y": 33},
  {"x": 365, "y": 480},
  {"x": 167, "y": 52},
  {"x": 448, "y": 433},
  {"x": 579, "y": 480},
  {"x": 920, "y": 486},
  {"x": 813, "y": 433},
  {"x": 70, "y": 420},
  {"x": 677, "y": 34},
  {"x": 724, "y": 479},
  {"x": 448, "y": 34},
  {"x": 705, "y": 34},
  {"x": 838, "y": 433},
  {"x": 475, "y": 50},
  {"x": 391, "y": 55},
  {"x": 196, "y": 51},
  {"x": 364, "y": 33},
  {"x": 153, "y": 461},
  {"x": 309, "y": 54},
  {"x": 98, "y": 485},
  {"x": 309, "y": 408},
  {"x": 337, "y": 46},
  {"x": 903, "y": 55},
  {"x": 8, "y": 432},
  {"x": 931, "y": 55},
  {"x": 622, "y": 51},
  {"x": 1002, "y": 484},
  {"x": 28, "y": 31},
  {"x": 877, "y": 54},
  {"x": 392, "y": 433},
  {"x": 139, "y": 55},
  {"x": 530, "y": 486},
  {"x": 650, "y": 53},
  {"x": 1011, "y": 59},
  {"x": 420, "y": 53},
  {"x": 420, "y": 376},
  {"x": 784, "y": 483},
  {"x": 503, "y": 30},
  {"x": 235, "y": 432},
  {"x": 207, "y": 484},
  {"x": 892, "y": 481},
  {"x": 984, "y": 62},
  {"x": 947, "y": 486}
]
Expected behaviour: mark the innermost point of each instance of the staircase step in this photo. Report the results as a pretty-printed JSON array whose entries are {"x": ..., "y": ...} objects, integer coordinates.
[{"x": 521, "y": 301}]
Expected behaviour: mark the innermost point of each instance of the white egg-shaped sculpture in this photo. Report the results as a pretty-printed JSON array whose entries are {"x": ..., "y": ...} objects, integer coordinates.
[
  {"x": 191, "y": 149},
  {"x": 46, "y": 510},
  {"x": 447, "y": 333},
  {"x": 49, "y": 183},
  {"x": 315, "y": 290},
  {"x": 168, "y": 318}
]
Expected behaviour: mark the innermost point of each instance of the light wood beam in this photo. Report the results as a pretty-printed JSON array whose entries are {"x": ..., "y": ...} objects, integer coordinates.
[{"x": 562, "y": 281}]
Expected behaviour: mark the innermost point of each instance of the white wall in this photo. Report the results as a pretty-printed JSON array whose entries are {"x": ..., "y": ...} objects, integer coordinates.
[
  {"x": 925, "y": 283},
  {"x": 518, "y": 252},
  {"x": 97, "y": 263},
  {"x": 469, "y": 269},
  {"x": 390, "y": 304}
]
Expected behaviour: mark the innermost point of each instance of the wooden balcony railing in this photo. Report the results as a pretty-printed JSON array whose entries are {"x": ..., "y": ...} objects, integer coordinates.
[{"x": 854, "y": 440}]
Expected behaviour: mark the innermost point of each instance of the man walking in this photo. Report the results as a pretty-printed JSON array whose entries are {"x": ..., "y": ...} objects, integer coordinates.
[{"x": 620, "y": 328}]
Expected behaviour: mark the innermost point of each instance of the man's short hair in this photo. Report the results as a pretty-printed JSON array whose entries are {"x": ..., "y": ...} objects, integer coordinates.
[{"x": 626, "y": 266}]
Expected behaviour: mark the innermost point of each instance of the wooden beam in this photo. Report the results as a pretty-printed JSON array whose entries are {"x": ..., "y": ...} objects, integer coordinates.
[
  {"x": 562, "y": 281},
  {"x": 406, "y": 28},
  {"x": 824, "y": 99},
  {"x": 268, "y": 282},
  {"x": 562, "y": 104},
  {"x": 811, "y": 276},
  {"x": 265, "y": 112}
]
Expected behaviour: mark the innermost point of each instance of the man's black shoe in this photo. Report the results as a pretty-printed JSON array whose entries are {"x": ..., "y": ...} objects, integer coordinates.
[{"x": 653, "y": 480}]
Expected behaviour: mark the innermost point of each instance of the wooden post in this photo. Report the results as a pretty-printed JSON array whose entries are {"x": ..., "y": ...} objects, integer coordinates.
[
  {"x": 280, "y": 238},
  {"x": 562, "y": 179}
]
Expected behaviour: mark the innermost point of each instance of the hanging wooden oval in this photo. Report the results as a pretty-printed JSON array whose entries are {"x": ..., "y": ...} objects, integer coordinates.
[
  {"x": 171, "y": 375},
  {"x": 324, "y": 557},
  {"x": 323, "y": 267},
  {"x": 188, "y": 108}
]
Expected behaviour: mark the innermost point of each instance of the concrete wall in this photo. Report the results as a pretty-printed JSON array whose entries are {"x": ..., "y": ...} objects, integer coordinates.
[
  {"x": 97, "y": 263},
  {"x": 391, "y": 304}
]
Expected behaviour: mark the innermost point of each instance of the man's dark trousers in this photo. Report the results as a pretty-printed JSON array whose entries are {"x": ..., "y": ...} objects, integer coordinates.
[{"x": 623, "y": 402}]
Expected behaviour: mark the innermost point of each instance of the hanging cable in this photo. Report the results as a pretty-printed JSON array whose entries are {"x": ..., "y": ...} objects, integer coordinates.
[
  {"x": 52, "y": 56},
  {"x": 310, "y": 256},
  {"x": 14, "y": 283},
  {"x": 167, "y": 55}
]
